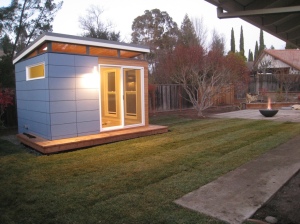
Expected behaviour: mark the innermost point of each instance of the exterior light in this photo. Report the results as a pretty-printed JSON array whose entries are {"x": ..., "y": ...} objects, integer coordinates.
[{"x": 91, "y": 80}]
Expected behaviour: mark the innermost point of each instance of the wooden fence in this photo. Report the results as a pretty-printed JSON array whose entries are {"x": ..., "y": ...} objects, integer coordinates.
[{"x": 172, "y": 97}]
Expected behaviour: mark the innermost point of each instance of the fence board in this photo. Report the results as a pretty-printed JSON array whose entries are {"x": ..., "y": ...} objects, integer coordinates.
[{"x": 172, "y": 97}]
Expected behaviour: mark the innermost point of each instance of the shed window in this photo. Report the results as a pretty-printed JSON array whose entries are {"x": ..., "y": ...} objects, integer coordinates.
[
  {"x": 68, "y": 48},
  {"x": 36, "y": 71}
]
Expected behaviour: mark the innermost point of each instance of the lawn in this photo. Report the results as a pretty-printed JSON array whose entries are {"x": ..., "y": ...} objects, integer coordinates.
[{"x": 134, "y": 181}]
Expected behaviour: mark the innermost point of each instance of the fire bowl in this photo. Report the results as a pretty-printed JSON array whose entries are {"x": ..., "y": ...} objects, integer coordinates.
[{"x": 268, "y": 112}]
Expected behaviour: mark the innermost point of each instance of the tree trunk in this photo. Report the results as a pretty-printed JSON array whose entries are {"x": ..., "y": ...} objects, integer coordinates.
[
  {"x": 200, "y": 114},
  {"x": 18, "y": 29}
]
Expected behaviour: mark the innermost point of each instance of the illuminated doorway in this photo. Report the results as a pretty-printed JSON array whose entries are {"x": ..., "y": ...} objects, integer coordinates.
[{"x": 121, "y": 97}]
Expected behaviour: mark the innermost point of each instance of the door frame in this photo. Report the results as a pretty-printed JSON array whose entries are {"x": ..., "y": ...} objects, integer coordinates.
[{"x": 121, "y": 97}]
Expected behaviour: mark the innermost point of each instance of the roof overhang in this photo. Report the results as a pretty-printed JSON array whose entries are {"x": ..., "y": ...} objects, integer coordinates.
[
  {"x": 79, "y": 40},
  {"x": 280, "y": 18}
]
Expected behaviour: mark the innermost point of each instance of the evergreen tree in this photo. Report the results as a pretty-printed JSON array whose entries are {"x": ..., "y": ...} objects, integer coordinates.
[
  {"x": 187, "y": 34},
  {"x": 256, "y": 51},
  {"x": 24, "y": 20},
  {"x": 261, "y": 42},
  {"x": 242, "y": 50},
  {"x": 250, "y": 55},
  {"x": 289, "y": 46},
  {"x": 232, "y": 42}
]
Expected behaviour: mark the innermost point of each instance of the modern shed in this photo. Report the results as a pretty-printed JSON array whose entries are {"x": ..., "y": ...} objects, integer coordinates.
[{"x": 75, "y": 92}]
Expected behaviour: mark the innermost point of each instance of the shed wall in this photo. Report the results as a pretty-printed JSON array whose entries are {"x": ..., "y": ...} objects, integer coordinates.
[
  {"x": 33, "y": 100},
  {"x": 61, "y": 105}
]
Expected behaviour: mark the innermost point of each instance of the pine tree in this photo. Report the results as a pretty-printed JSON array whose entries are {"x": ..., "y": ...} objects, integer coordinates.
[
  {"x": 250, "y": 55},
  {"x": 187, "y": 34},
  {"x": 232, "y": 43},
  {"x": 256, "y": 51},
  {"x": 242, "y": 50},
  {"x": 261, "y": 42}
]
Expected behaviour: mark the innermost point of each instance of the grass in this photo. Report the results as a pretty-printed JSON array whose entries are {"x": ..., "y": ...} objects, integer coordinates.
[{"x": 134, "y": 181}]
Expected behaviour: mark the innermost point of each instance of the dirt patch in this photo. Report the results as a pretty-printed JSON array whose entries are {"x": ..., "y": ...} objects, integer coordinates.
[{"x": 285, "y": 204}]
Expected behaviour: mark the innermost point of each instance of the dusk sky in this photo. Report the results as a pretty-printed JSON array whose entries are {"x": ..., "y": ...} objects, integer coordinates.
[{"x": 122, "y": 13}]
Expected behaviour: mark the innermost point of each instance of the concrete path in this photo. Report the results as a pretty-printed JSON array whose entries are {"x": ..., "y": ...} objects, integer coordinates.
[
  {"x": 237, "y": 195},
  {"x": 282, "y": 115}
]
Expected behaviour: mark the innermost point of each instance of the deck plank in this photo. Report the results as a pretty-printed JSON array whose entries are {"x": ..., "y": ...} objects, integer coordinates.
[{"x": 53, "y": 146}]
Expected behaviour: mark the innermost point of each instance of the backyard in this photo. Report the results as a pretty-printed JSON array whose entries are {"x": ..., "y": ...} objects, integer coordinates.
[{"x": 133, "y": 181}]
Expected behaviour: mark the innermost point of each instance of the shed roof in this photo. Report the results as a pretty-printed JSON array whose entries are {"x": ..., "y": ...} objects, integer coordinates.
[{"x": 64, "y": 38}]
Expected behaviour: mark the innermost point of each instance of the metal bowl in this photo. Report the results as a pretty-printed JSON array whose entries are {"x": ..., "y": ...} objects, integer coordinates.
[{"x": 268, "y": 113}]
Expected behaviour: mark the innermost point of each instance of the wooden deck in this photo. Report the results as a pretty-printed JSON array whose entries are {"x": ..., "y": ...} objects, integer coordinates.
[{"x": 53, "y": 146}]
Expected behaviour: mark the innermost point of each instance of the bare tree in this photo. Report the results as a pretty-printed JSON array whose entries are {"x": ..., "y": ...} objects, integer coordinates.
[
  {"x": 200, "y": 29},
  {"x": 93, "y": 25},
  {"x": 287, "y": 79},
  {"x": 203, "y": 75}
]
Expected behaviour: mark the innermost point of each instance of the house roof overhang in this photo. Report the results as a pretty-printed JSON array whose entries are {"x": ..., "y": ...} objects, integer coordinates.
[
  {"x": 291, "y": 57},
  {"x": 277, "y": 17},
  {"x": 78, "y": 40}
]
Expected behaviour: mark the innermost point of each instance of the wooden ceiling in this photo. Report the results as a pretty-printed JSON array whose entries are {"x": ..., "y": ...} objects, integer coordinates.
[{"x": 280, "y": 18}]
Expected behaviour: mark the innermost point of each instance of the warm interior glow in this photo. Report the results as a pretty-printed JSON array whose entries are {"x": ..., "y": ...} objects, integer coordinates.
[{"x": 269, "y": 103}]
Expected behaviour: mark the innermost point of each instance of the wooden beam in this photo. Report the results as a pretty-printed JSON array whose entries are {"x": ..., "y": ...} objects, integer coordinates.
[{"x": 222, "y": 15}]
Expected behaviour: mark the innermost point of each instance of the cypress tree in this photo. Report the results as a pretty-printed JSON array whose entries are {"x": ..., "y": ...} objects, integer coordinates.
[
  {"x": 232, "y": 42},
  {"x": 242, "y": 50},
  {"x": 250, "y": 55},
  {"x": 261, "y": 42},
  {"x": 256, "y": 51}
]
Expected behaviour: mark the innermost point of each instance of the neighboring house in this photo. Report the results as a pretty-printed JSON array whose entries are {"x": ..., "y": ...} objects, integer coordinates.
[
  {"x": 75, "y": 92},
  {"x": 272, "y": 62}
]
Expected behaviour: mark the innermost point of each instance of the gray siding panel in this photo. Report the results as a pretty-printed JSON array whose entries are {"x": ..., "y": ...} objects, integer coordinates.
[
  {"x": 87, "y": 94},
  {"x": 20, "y": 76},
  {"x": 88, "y": 116},
  {"x": 61, "y": 59},
  {"x": 62, "y": 106},
  {"x": 86, "y": 61},
  {"x": 85, "y": 127},
  {"x": 38, "y": 117},
  {"x": 36, "y": 95},
  {"x": 37, "y": 106},
  {"x": 37, "y": 84},
  {"x": 62, "y": 95},
  {"x": 81, "y": 72},
  {"x": 63, "y": 130},
  {"x": 61, "y": 71},
  {"x": 61, "y": 83},
  {"x": 35, "y": 128},
  {"x": 63, "y": 118},
  {"x": 83, "y": 105}
]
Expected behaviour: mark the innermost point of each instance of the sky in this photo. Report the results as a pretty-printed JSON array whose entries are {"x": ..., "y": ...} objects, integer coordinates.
[{"x": 121, "y": 14}]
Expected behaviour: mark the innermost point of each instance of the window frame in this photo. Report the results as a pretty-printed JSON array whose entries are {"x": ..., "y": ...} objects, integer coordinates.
[{"x": 28, "y": 71}]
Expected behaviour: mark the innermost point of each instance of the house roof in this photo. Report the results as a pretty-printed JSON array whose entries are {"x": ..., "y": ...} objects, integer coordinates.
[
  {"x": 277, "y": 17},
  {"x": 290, "y": 56},
  {"x": 78, "y": 40}
]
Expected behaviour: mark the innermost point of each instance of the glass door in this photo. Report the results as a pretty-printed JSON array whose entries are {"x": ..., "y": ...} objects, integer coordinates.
[
  {"x": 110, "y": 97},
  {"x": 121, "y": 97},
  {"x": 132, "y": 96}
]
